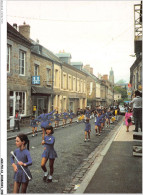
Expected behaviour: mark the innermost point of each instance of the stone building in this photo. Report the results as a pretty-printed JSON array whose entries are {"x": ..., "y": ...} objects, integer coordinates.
[
  {"x": 73, "y": 85},
  {"x": 136, "y": 74},
  {"x": 107, "y": 93},
  {"x": 18, "y": 76},
  {"x": 136, "y": 68},
  {"x": 117, "y": 97},
  {"x": 45, "y": 76},
  {"x": 93, "y": 88},
  {"x": 43, "y": 63}
]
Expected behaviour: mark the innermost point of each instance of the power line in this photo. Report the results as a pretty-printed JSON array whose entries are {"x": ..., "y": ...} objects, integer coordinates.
[{"x": 58, "y": 20}]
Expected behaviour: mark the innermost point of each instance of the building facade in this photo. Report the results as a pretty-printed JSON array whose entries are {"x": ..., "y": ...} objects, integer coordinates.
[
  {"x": 18, "y": 76},
  {"x": 136, "y": 68},
  {"x": 73, "y": 85}
]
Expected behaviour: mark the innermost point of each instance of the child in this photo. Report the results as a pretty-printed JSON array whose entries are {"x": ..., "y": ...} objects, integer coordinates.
[
  {"x": 81, "y": 118},
  {"x": 128, "y": 121},
  {"x": 24, "y": 158},
  {"x": 65, "y": 116},
  {"x": 87, "y": 113},
  {"x": 49, "y": 153},
  {"x": 44, "y": 120},
  {"x": 98, "y": 123},
  {"x": 17, "y": 119},
  {"x": 87, "y": 130},
  {"x": 108, "y": 117},
  {"x": 34, "y": 126},
  {"x": 71, "y": 115},
  {"x": 57, "y": 119}
]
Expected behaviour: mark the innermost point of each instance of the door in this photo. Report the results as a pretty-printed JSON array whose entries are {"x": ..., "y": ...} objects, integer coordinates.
[
  {"x": 12, "y": 111},
  {"x": 40, "y": 105},
  {"x": 71, "y": 106}
]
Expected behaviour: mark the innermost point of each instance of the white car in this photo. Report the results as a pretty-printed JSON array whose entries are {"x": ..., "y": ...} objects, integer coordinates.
[{"x": 122, "y": 110}]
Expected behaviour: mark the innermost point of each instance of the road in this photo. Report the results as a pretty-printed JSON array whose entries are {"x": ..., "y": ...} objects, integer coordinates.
[{"x": 71, "y": 150}]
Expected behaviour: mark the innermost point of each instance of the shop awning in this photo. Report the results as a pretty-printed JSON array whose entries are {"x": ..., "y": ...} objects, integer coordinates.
[{"x": 41, "y": 90}]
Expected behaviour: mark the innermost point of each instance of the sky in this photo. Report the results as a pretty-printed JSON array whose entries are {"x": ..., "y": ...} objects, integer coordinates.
[{"x": 98, "y": 33}]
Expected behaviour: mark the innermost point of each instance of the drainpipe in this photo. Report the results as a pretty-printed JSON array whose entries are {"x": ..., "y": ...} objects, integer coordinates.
[{"x": 52, "y": 84}]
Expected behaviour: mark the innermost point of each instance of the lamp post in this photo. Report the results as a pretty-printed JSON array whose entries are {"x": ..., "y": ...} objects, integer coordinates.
[{"x": 113, "y": 94}]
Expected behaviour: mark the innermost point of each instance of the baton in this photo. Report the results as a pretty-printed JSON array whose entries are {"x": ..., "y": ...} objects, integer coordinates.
[{"x": 29, "y": 178}]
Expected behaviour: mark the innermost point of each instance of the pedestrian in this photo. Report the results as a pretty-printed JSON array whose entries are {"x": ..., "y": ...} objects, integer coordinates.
[
  {"x": 98, "y": 123},
  {"x": 34, "y": 125},
  {"x": 137, "y": 110},
  {"x": 87, "y": 113},
  {"x": 116, "y": 114},
  {"x": 65, "y": 117},
  {"x": 102, "y": 119},
  {"x": 43, "y": 118},
  {"x": 128, "y": 120},
  {"x": 17, "y": 119},
  {"x": 57, "y": 119},
  {"x": 24, "y": 159},
  {"x": 49, "y": 153},
  {"x": 78, "y": 112},
  {"x": 108, "y": 118},
  {"x": 87, "y": 130},
  {"x": 71, "y": 115}
]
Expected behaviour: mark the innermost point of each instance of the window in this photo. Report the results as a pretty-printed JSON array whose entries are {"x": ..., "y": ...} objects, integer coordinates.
[
  {"x": 21, "y": 62},
  {"x": 74, "y": 84},
  {"x": 91, "y": 87},
  {"x": 81, "y": 86},
  {"x": 69, "y": 83},
  {"x": 36, "y": 70},
  {"x": 56, "y": 78},
  {"x": 20, "y": 103},
  {"x": 78, "y": 85},
  {"x": 49, "y": 80},
  {"x": 8, "y": 57},
  {"x": 64, "y": 81},
  {"x": 84, "y": 87}
]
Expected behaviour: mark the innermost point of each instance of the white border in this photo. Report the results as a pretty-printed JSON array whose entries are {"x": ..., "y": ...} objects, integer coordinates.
[{"x": 3, "y": 99}]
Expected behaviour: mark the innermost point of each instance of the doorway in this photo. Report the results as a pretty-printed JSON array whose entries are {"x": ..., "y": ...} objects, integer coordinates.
[
  {"x": 12, "y": 110},
  {"x": 40, "y": 105}
]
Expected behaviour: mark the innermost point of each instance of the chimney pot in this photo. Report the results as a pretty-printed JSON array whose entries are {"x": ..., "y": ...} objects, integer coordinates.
[{"x": 15, "y": 26}]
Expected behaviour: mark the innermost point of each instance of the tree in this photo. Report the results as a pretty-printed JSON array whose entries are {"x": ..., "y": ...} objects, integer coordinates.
[{"x": 121, "y": 90}]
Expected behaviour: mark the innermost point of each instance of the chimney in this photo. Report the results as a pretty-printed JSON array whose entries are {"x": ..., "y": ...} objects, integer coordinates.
[
  {"x": 25, "y": 30},
  {"x": 37, "y": 40},
  {"x": 88, "y": 68},
  {"x": 15, "y": 26},
  {"x": 105, "y": 77}
]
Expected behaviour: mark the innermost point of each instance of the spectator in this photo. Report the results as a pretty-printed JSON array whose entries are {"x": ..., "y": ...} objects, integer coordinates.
[
  {"x": 17, "y": 120},
  {"x": 137, "y": 110}
]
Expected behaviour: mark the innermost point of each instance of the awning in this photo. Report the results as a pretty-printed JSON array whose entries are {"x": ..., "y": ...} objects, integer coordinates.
[{"x": 41, "y": 90}]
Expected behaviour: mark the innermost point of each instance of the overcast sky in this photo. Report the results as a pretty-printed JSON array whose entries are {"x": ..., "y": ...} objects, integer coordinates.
[{"x": 99, "y": 33}]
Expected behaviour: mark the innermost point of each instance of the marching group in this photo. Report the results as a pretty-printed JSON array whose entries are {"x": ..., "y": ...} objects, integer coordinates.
[
  {"x": 103, "y": 117},
  {"x": 22, "y": 154}
]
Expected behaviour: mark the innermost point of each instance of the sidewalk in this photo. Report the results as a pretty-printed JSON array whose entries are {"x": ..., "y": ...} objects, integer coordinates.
[
  {"x": 115, "y": 170},
  {"x": 28, "y": 130}
]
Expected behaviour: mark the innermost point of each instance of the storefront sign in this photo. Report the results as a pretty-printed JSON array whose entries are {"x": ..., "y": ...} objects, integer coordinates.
[{"x": 36, "y": 80}]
